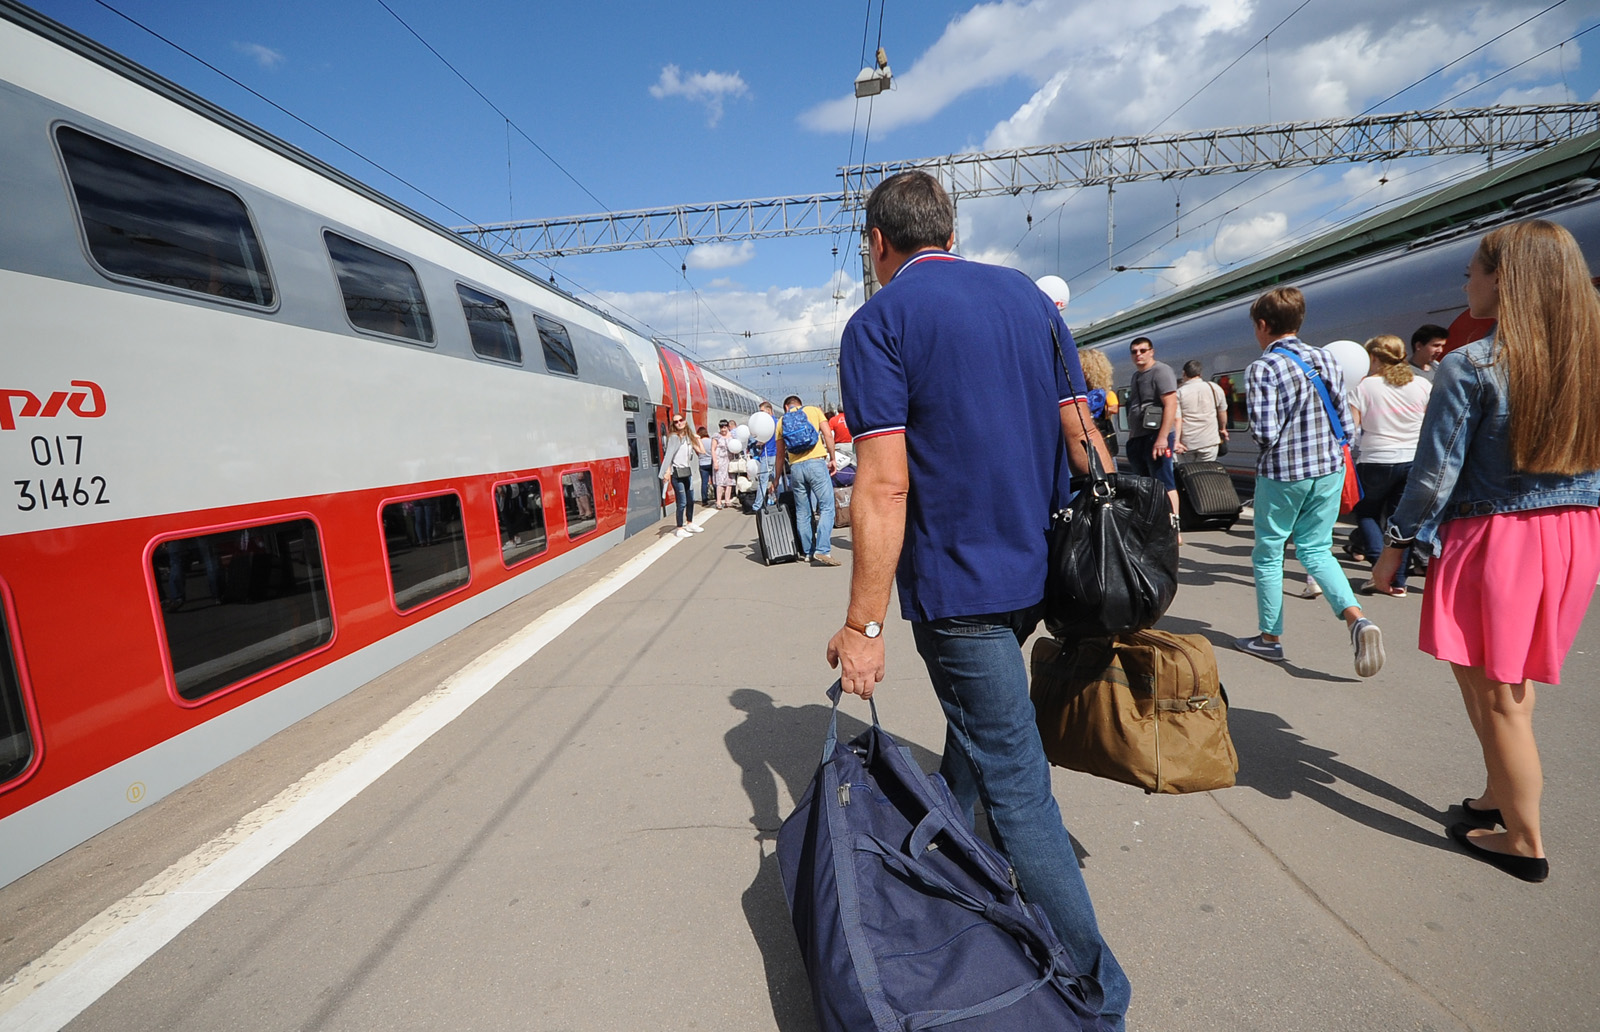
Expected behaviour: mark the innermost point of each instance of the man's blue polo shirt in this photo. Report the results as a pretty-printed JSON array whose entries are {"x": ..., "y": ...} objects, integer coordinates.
[{"x": 957, "y": 356}]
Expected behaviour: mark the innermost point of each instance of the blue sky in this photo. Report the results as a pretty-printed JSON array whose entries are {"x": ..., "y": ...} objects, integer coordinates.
[{"x": 648, "y": 104}]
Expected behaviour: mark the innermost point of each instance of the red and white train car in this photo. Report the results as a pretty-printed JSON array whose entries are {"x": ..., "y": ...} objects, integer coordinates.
[{"x": 264, "y": 433}]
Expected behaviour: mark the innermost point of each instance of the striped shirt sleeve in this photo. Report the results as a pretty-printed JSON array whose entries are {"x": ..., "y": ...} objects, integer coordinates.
[{"x": 872, "y": 379}]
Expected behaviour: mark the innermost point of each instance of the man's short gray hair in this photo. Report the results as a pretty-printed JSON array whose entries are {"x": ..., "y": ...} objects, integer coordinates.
[{"x": 912, "y": 211}]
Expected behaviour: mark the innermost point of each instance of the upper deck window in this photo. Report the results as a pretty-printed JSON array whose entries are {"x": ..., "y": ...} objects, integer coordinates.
[
  {"x": 381, "y": 293},
  {"x": 558, "y": 354},
  {"x": 151, "y": 222},
  {"x": 489, "y": 322}
]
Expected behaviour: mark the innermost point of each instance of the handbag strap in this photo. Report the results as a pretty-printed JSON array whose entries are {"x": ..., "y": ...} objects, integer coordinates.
[
  {"x": 1322, "y": 391},
  {"x": 1099, "y": 483}
]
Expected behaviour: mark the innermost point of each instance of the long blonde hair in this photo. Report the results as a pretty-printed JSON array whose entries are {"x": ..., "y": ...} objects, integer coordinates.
[
  {"x": 1548, "y": 341},
  {"x": 1390, "y": 352},
  {"x": 1097, "y": 371}
]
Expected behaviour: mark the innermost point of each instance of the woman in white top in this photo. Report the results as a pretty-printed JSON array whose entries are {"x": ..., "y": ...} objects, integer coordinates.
[
  {"x": 1389, "y": 405},
  {"x": 677, "y": 463}
]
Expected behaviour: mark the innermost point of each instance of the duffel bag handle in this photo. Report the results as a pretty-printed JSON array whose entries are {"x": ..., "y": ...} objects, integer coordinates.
[{"x": 836, "y": 693}]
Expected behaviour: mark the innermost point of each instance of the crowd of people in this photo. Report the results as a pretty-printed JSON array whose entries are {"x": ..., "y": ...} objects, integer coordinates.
[
  {"x": 805, "y": 458},
  {"x": 1481, "y": 459}
]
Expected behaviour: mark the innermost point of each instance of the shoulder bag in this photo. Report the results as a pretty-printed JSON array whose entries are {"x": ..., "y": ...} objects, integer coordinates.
[
  {"x": 1352, "y": 493},
  {"x": 1113, "y": 552}
]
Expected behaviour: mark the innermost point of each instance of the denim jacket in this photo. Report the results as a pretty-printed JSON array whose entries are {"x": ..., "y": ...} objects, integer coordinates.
[{"x": 1463, "y": 465}]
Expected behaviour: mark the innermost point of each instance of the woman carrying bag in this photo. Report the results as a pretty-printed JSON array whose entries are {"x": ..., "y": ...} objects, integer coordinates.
[
  {"x": 677, "y": 462},
  {"x": 1504, "y": 493}
]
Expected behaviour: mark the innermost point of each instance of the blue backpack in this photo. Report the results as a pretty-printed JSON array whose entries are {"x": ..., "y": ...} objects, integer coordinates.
[
  {"x": 799, "y": 435},
  {"x": 906, "y": 919}
]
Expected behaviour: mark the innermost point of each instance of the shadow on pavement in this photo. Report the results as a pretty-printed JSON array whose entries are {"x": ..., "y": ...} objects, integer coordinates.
[
  {"x": 1279, "y": 763},
  {"x": 773, "y": 743}
]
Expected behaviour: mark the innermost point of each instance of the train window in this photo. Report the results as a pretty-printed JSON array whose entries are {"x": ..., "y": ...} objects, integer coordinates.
[
  {"x": 1124, "y": 407},
  {"x": 427, "y": 548},
  {"x": 655, "y": 445},
  {"x": 519, "y": 507},
  {"x": 151, "y": 222},
  {"x": 577, "y": 492},
  {"x": 633, "y": 445},
  {"x": 239, "y": 602},
  {"x": 489, "y": 322},
  {"x": 1232, "y": 385},
  {"x": 558, "y": 354},
  {"x": 381, "y": 293},
  {"x": 16, "y": 737}
]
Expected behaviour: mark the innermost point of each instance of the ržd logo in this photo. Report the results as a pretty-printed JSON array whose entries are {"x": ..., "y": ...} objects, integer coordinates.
[{"x": 88, "y": 401}]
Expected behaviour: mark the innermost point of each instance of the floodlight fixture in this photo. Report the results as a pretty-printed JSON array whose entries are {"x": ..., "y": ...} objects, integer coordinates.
[{"x": 873, "y": 81}]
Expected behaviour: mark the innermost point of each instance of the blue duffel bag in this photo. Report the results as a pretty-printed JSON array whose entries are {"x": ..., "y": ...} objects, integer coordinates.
[{"x": 906, "y": 919}]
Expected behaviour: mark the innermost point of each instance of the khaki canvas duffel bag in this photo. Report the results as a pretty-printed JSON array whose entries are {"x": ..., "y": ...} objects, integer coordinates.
[{"x": 1145, "y": 708}]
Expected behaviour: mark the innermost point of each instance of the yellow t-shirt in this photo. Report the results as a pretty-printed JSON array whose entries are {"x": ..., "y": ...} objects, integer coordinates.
[{"x": 820, "y": 450}]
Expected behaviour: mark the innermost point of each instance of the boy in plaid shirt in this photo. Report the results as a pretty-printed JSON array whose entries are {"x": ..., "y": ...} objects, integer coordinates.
[{"x": 1299, "y": 476}]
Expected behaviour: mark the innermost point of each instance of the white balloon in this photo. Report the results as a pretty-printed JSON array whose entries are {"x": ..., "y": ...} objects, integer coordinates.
[
  {"x": 742, "y": 432},
  {"x": 1055, "y": 288},
  {"x": 1353, "y": 361},
  {"x": 735, "y": 446},
  {"x": 762, "y": 427}
]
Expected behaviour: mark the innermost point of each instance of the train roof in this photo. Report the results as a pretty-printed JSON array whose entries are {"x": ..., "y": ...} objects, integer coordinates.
[
  {"x": 1490, "y": 196},
  {"x": 85, "y": 47}
]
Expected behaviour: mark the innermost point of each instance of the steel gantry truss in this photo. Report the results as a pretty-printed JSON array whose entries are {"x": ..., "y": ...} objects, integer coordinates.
[
  {"x": 768, "y": 361},
  {"x": 1107, "y": 161}
]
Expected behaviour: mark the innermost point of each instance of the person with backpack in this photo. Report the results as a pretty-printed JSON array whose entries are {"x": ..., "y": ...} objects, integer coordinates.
[{"x": 806, "y": 444}]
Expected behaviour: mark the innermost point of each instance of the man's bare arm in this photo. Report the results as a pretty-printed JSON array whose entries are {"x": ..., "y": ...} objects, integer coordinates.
[
  {"x": 1077, "y": 427},
  {"x": 877, "y": 528}
]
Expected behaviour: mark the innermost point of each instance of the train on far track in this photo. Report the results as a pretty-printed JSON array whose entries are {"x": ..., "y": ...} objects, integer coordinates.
[
  {"x": 265, "y": 434},
  {"x": 1356, "y": 291}
]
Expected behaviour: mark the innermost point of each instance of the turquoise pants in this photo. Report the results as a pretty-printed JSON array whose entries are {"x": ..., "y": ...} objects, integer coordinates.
[{"x": 1305, "y": 510}]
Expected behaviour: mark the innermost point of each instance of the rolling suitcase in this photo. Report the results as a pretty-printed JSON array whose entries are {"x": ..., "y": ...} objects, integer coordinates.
[
  {"x": 775, "y": 535},
  {"x": 1206, "y": 498}
]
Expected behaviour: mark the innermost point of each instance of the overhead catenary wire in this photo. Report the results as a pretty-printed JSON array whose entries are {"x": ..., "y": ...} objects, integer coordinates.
[{"x": 1252, "y": 176}]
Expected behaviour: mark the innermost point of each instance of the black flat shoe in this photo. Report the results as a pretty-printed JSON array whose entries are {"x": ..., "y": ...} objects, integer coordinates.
[
  {"x": 1528, "y": 868},
  {"x": 1482, "y": 818}
]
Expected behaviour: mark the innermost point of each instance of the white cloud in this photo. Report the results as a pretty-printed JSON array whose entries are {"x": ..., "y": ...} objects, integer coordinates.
[
  {"x": 708, "y": 88},
  {"x": 1241, "y": 239},
  {"x": 720, "y": 256},
  {"x": 264, "y": 56}
]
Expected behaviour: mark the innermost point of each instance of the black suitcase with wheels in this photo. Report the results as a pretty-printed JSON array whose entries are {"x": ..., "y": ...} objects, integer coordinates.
[
  {"x": 775, "y": 534},
  {"x": 1206, "y": 497}
]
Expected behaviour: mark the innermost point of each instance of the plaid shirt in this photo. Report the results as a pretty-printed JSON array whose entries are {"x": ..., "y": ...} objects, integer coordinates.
[{"x": 1287, "y": 417}]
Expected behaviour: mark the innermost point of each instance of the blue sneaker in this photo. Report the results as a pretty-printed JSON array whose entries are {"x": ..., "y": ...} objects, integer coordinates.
[
  {"x": 1366, "y": 641},
  {"x": 1271, "y": 651}
]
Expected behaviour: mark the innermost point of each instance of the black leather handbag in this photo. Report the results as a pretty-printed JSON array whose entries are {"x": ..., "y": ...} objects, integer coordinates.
[{"x": 1113, "y": 554}]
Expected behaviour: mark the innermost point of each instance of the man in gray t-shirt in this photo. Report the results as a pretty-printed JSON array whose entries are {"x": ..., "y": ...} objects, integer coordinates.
[{"x": 1152, "y": 417}]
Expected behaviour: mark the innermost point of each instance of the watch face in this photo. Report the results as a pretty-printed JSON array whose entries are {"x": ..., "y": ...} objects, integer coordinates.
[{"x": 873, "y": 629}]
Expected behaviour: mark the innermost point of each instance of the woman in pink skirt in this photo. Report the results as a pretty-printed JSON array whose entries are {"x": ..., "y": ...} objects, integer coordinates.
[{"x": 1505, "y": 495}]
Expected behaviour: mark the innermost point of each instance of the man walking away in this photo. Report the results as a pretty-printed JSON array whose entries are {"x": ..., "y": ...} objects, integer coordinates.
[
  {"x": 925, "y": 365},
  {"x": 766, "y": 486},
  {"x": 806, "y": 444},
  {"x": 1203, "y": 416},
  {"x": 1299, "y": 475},
  {"x": 706, "y": 492},
  {"x": 1153, "y": 419},
  {"x": 1427, "y": 347}
]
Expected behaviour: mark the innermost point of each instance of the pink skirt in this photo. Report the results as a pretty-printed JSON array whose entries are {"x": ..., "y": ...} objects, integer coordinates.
[{"x": 1508, "y": 592}]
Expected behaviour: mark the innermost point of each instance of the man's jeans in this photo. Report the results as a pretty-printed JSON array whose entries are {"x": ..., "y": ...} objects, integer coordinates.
[
  {"x": 992, "y": 752},
  {"x": 813, "y": 491}
]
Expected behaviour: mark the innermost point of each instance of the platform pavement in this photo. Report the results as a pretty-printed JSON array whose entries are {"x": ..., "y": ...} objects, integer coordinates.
[{"x": 589, "y": 847}]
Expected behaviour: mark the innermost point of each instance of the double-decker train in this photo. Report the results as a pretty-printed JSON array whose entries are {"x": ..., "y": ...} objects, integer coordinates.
[{"x": 264, "y": 434}]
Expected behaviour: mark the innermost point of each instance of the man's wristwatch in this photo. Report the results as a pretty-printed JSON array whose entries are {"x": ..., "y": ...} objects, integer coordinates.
[{"x": 871, "y": 628}]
